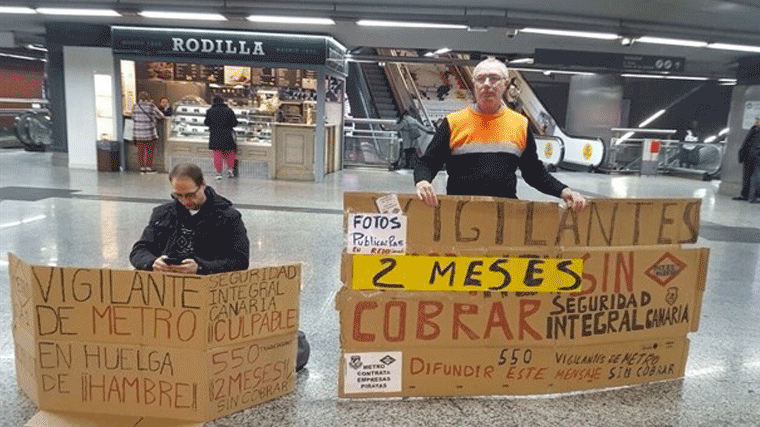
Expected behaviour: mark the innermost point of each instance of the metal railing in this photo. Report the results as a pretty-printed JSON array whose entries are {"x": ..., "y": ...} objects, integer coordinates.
[
  {"x": 367, "y": 143},
  {"x": 626, "y": 151}
]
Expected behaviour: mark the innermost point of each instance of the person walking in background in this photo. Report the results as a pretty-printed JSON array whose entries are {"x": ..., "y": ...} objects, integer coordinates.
[
  {"x": 751, "y": 165},
  {"x": 749, "y": 155},
  {"x": 145, "y": 115},
  {"x": 221, "y": 121}
]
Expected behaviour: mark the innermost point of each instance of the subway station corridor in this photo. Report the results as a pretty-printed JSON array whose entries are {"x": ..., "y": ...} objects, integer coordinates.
[{"x": 53, "y": 215}]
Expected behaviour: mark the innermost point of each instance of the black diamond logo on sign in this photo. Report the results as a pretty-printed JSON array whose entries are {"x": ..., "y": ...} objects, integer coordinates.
[{"x": 387, "y": 360}]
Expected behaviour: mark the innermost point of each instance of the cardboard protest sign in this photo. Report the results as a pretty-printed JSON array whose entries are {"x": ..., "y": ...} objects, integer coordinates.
[
  {"x": 159, "y": 345},
  {"x": 462, "y": 371},
  {"x": 617, "y": 300},
  {"x": 485, "y": 224},
  {"x": 406, "y": 331}
]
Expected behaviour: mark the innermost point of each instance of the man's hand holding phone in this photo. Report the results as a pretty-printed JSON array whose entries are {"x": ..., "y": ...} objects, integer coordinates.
[{"x": 167, "y": 264}]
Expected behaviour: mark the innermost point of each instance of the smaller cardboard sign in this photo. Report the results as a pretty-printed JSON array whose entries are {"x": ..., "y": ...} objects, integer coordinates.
[
  {"x": 125, "y": 342},
  {"x": 373, "y": 233},
  {"x": 466, "y": 274},
  {"x": 376, "y": 372}
]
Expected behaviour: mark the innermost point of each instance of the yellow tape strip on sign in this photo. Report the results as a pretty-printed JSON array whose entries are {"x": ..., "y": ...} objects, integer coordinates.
[{"x": 465, "y": 274}]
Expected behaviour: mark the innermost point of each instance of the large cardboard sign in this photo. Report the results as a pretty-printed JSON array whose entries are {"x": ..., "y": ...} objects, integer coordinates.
[
  {"x": 624, "y": 321},
  {"x": 160, "y": 345},
  {"x": 486, "y": 225},
  {"x": 631, "y": 293}
]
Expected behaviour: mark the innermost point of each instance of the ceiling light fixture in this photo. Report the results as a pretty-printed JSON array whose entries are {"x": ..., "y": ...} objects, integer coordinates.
[
  {"x": 522, "y": 61},
  {"x": 77, "y": 12},
  {"x": 723, "y": 132},
  {"x": 672, "y": 42},
  {"x": 35, "y": 47},
  {"x": 26, "y": 58},
  {"x": 568, "y": 33},
  {"x": 183, "y": 15},
  {"x": 266, "y": 19},
  {"x": 739, "y": 47},
  {"x": 687, "y": 78},
  {"x": 20, "y": 10},
  {"x": 643, "y": 76},
  {"x": 652, "y": 118},
  {"x": 403, "y": 24}
]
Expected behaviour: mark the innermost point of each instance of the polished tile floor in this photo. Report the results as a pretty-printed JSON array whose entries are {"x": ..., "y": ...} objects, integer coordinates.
[{"x": 55, "y": 215}]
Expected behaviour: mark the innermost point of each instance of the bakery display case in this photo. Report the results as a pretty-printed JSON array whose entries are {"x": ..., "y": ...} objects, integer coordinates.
[{"x": 188, "y": 137}]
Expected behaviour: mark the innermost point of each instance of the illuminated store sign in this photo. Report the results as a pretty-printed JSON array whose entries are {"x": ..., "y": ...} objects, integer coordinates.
[{"x": 227, "y": 46}]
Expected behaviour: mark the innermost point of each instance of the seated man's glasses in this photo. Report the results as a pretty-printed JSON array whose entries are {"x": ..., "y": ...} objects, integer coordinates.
[{"x": 186, "y": 196}]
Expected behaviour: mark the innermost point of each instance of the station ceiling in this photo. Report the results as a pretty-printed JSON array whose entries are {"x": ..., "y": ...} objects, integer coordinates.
[{"x": 490, "y": 26}]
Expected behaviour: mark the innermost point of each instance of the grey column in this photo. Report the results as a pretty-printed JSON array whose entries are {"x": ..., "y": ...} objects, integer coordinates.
[{"x": 594, "y": 106}]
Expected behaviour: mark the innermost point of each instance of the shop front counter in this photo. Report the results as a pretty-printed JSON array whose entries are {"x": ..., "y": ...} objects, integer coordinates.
[{"x": 251, "y": 156}]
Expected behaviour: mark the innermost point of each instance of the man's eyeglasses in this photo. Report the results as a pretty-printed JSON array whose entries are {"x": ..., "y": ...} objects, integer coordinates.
[
  {"x": 485, "y": 78},
  {"x": 186, "y": 196}
]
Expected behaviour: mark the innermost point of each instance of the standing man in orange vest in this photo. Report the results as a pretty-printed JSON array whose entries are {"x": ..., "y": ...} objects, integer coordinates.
[{"x": 484, "y": 144}]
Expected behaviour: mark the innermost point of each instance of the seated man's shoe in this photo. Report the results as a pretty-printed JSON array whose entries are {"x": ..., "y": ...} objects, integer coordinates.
[
  {"x": 739, "y": 198},
  {"x": 302, "y": 356}
]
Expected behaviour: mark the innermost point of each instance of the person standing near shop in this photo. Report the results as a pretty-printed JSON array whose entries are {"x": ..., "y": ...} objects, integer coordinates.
[
  {"x": 145, "y": 115},
  {"x": 221, "y": 121},
  {"x": 165, "y": 106},
  {"x": 483, "y": 145},
  {"x": 749, "y": 156},
  {"x": 748, "y": 167}
]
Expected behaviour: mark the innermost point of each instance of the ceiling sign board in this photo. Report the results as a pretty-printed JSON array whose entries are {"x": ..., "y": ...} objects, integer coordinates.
[{"x": 626, "y": 62}]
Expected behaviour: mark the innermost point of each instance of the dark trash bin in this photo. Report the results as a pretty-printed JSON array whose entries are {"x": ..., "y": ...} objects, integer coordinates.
[{"x": 108, "y": 156}]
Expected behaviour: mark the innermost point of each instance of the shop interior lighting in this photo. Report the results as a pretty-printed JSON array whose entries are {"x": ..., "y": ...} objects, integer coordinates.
[
  {"x": 568, "y": 33},
  {"x": 672, "y": 42},
  {"x": 711, "y": 138},
  {"x": 290, "y": 20},
  {"x": 404, "y": 24},
  {"x": 183, "y": 15},
  {"x": 77, "y": 12},
  {"x": 18, "y": 10},
  {"x": 723, "y": 132},
  {"x": 739, "y": 47}
]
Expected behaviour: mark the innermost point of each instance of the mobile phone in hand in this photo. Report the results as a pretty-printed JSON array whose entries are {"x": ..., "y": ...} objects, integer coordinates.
[{"x": 173, "y": 260}]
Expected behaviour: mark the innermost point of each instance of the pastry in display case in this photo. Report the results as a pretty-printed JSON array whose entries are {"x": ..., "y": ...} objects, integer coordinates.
[{"x": 190, "y": 113}]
